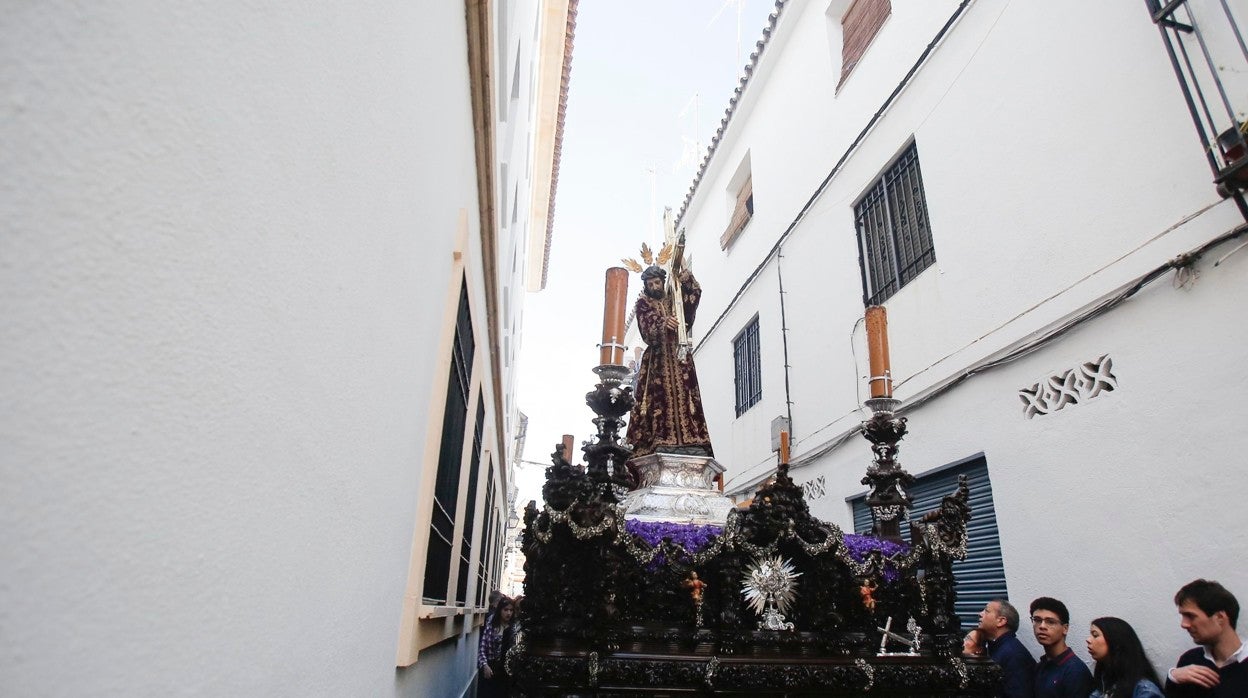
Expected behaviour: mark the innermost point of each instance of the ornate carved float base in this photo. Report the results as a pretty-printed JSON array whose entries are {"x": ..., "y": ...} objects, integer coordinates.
[
  {"x": 629, "y": 674},
  {"x": 677, "y": 488}
]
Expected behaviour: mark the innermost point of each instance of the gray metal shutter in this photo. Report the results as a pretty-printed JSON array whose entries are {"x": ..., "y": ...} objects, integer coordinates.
[{"x": 981, "y": 576}]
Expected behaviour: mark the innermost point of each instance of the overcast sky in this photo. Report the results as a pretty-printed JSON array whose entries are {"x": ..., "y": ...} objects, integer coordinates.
[{"x": 631, "y": 127}]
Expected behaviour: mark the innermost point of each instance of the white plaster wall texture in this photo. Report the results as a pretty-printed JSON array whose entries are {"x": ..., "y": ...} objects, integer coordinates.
[
  {"x": 977, "y": 219},
  {"x": 226, "y": 238},
  {"x": 1111, "y": 504},
  {"x": 513, "y": 148},
  {"x": 1024, "y": 128},
  {"x": 792, "y": 92}
]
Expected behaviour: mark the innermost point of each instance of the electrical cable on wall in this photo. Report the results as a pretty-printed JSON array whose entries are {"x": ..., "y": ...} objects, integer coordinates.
[{"x": 1185, "y": 261}]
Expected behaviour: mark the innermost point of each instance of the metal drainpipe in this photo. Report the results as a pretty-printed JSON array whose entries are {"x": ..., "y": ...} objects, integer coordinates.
[{"x": 784, "y": 335}]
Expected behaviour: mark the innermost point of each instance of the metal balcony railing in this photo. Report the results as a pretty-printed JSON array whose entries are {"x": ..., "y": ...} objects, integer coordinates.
[{"x": 1207, "y": 50}]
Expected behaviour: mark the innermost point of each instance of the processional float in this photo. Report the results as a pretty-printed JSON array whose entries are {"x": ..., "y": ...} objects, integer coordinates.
[{"x": 641, "y": 578}]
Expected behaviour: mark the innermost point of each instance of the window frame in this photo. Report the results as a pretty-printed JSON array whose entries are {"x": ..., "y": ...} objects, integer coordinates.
[
  {"x": 889, "y": 224},
  {"x": 747, "y": 364},
  {"x": 430, "y": 617},
  {"x": 446, "y": 523}
]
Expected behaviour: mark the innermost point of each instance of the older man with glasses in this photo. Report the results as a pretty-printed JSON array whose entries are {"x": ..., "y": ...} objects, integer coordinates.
[{"x": 1060, "y": 674}]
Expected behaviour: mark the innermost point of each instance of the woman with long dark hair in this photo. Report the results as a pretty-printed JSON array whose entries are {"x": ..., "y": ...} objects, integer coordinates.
[
  {"x": 493, "y": 649},
  {"x": 1122, "y": 667}
]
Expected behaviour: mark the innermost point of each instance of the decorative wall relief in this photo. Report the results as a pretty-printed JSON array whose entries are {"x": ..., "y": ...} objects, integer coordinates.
[
  {"x": 814, "y": 488},
  {"x": 1070, "y": 387}
]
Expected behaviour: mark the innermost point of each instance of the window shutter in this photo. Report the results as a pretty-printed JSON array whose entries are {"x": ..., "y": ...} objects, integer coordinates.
[
  {"x": 741, "y": 213},
  {"x": 862, "y": 21}
]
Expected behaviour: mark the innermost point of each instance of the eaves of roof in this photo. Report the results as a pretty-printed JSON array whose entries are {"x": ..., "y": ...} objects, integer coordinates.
[
  {"x": 733, "y": 101},
  {"x": 568, "y": 38}
]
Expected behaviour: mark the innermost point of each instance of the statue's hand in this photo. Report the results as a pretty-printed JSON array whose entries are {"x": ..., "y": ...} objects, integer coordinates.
[{"x": 671, "y": 324}]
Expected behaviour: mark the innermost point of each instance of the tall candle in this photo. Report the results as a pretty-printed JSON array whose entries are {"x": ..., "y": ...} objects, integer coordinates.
[
  {"x": 612, "y": 351},
  {"x": 880, "y": 380},
  {"x": 784, "y": 447},
  {"x": 567, "y": 447}
]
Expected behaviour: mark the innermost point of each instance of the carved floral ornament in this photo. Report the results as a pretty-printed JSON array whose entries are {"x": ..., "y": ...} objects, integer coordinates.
[
  {"x": 1070, "y": 387},
  {"x": 815, "y": 488}
]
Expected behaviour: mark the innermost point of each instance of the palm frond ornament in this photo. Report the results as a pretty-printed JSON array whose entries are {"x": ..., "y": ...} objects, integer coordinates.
[{"x": 770, "y": 587}]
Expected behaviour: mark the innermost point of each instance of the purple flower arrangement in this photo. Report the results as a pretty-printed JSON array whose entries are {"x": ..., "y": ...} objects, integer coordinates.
[
  {"x": 691, "y": 537},
  {"x": 860, "y": 546}
]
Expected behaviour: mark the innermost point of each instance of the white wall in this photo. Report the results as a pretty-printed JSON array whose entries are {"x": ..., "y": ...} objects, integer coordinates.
[
  {"x": 1114, "y": 503},
  {"x": 1058, "y": 161},
  {"x": 226, "y": 241},
  {"x": 514, "y": 151}
]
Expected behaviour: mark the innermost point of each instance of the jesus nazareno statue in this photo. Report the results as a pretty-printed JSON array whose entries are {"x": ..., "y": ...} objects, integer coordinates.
[{"x": 668, "y": 416}]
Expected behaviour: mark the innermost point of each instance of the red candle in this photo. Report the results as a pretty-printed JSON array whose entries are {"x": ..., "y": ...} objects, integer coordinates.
[
  {"x": 880, "y": 380},
  {"x": 567, "y": 447},
  {"x": 612, "y": 349},
  {"x": 784, "y": 447}
]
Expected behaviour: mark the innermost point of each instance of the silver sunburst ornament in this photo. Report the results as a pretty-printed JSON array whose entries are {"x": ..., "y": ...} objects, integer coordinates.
[{"x": 769, "y": 587}]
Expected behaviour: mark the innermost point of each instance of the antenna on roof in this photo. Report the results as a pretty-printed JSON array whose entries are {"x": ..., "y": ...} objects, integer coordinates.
[{"x": 740, "y": 5}]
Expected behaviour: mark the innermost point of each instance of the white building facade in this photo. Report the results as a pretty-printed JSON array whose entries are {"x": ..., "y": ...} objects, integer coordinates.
[
  {"x": 262, "y": 300},
  {"x": 967, "y": 165}
]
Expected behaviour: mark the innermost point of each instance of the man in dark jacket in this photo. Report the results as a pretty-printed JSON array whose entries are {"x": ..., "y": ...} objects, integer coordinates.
[
  {"x": 1219, "y": 666},
  {"x": 999, "y": 623}
]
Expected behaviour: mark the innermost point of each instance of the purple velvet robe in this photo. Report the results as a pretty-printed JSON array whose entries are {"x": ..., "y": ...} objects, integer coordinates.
[{"x": 668, "y": 415}]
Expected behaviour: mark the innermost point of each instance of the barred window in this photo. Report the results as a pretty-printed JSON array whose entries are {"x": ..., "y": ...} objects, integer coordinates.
[
  {"x": 894, "y": 234},
  {"x": 749, "y": 378},
  {"x": 483, "y": 572},
  {"x": 465, "y": 548},
  {"x": 446, "y": 486}
]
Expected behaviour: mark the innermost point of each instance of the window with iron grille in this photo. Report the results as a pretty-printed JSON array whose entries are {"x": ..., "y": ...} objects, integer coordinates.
[
  {"x": 483, "y": 571},
  {"x": 470, "y": 507},
  {"x": 450, "y": 455},
  {"x": 749, "y": 375},
  {"x": 894, "y": 234}
]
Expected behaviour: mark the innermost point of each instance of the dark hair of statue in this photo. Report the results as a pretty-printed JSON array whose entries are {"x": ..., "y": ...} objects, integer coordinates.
[{"x": 652, "y": 271}]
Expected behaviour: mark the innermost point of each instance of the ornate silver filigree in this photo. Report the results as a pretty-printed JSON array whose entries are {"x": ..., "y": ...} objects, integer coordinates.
[
  {"x": 679, "y": 488},
  {"x": 711, "y": 667},
  {"x": 959, "y": 666},
  {"x": 770, "y": 587},
  {"x": 867, "y": 669},
  {"x": 593, "y": 668},
  {"x": 517, "y": 648},
  {"x": 887, "y": 513},
  {"x": 913, "y": 643}
]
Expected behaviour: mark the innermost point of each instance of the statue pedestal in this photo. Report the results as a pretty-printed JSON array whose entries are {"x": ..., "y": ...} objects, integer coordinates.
[{"x": 679, "y": 489}]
